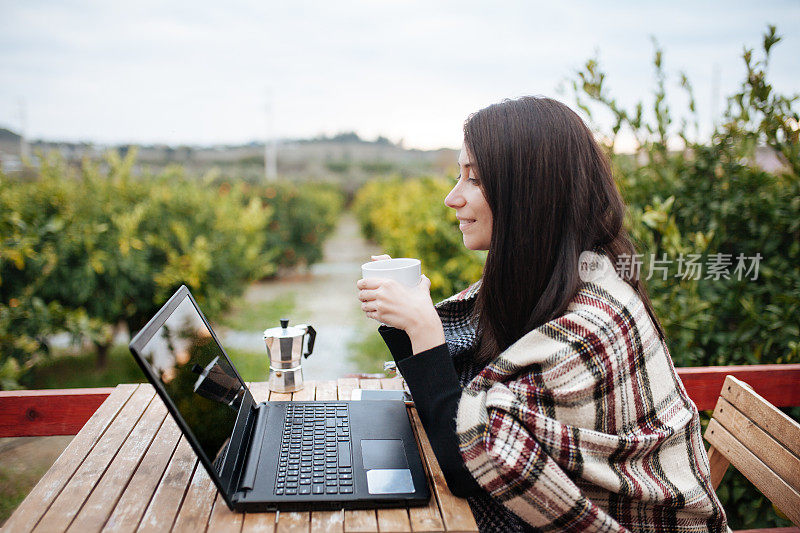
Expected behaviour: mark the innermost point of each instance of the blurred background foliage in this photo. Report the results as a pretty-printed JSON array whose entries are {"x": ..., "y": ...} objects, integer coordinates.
[
  {"x": 409, "y": 219},
  {"x": 87, "y": 249},
  {"x": 738, "y": 194}
]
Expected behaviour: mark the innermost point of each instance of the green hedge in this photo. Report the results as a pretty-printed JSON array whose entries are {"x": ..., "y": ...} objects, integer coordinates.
[
  {"x": 303, "y": 216},
  {"x": 715, "y": 198},
  {"x": 85, "y": 249}
]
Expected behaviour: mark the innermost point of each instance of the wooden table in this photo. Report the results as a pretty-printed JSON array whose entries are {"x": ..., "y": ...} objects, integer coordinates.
[{"x": 130, "y": 469}]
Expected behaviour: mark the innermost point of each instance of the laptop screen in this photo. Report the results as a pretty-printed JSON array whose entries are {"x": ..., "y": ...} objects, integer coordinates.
[{"x": 197, "y": 376}]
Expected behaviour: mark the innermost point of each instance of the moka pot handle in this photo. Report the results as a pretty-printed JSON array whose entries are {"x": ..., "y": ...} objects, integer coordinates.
[{"x": 312, "y": 335}]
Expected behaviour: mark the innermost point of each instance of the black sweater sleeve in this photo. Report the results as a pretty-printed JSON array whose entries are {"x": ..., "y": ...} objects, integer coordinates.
[{"x": 432, "y": 380}]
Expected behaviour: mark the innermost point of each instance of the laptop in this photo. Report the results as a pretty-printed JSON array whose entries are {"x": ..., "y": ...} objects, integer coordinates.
[{"x": 275, "y": 455}]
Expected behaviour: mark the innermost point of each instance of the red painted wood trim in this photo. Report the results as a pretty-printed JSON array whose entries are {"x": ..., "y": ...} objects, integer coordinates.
[
  {"x": 36, "y": 413},
  {"x": 778, "y": 384}
]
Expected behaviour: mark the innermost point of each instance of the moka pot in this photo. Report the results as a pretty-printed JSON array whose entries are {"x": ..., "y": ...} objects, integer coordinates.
[{"x": 285, "y": 351}]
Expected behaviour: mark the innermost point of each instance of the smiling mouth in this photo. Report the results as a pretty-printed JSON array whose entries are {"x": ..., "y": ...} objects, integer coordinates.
[{"x": 465, "y": 223}]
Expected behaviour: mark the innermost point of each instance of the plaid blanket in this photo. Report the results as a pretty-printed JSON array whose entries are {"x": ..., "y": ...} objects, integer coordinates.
[{"x": 582, "y": 424}]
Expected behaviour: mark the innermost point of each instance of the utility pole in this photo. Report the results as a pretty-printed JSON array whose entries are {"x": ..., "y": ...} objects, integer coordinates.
[
  {"x": 270, "y": 143},
  {"x": 714, "y": 96},
  {"x": 23, "y": 126}
]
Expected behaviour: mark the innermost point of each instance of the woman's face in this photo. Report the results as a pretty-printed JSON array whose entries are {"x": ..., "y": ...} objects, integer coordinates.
[{"x": 472, "y": 210}]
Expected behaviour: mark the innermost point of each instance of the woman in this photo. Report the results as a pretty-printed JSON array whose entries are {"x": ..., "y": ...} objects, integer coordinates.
[{"x": 546, "y": 388}]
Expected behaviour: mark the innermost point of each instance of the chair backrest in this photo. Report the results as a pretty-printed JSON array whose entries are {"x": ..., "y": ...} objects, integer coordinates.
[{"x": 760, "y": 441}]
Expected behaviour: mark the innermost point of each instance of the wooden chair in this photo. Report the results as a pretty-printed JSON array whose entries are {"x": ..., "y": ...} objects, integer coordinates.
[{"x": 760, "y": 441}]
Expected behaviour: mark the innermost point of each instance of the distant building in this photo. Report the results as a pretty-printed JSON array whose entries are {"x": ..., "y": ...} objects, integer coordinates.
[
  {"x": 10, "y": 151},
  {"x": 9, "y": 142}
]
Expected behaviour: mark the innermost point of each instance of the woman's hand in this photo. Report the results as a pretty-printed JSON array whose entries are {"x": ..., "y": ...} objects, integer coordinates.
[{"x": 408, "y": 308}]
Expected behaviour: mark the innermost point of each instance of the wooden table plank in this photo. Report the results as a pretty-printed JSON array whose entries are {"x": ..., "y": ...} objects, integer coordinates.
[
  {"x": 306, "y": 394},
  {"x": 71, "y": 499},
  {"x": 455, "y": 511},
  {"x": 369, "y": 383},
  {"x": 165, "y": 502},
  {"x": 345, "y": 387},
  {"x": 259, "y": 522},
  {"x": 133, "y": 503},
  {"x": 101, "y": 502},
  {"x": 327, "y": 521},
  {"x": 289, "y": 521},
  {"x": 293, "y": 522},
  {"x": 428, "y": 517},
  {"x": 260, "y": 391},
  {"x": 416, "y": 518},
  {"x": 195, "y": 510},
  {"x": 361, "y": 519},
  {"x": 327, "y": 390},
  {"x": 296, "y": 520},
  {"x": 224, "y": 520},
  {"x": 280, "y": 396},
  {"x": 49, "y": 487},
  {"x": 391, "y": 383},
  {"x": 395, "y": 520}
]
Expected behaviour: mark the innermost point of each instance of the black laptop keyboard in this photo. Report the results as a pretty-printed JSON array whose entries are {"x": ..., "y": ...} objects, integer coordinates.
[{"x": 315, "y": 450}]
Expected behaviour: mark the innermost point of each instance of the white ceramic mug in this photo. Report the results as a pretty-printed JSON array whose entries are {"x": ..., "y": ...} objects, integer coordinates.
[{"x": 404, "y": 270}]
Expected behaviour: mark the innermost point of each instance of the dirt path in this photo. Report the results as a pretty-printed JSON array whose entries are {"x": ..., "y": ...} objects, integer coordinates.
[{"x": 326, "y": 299}]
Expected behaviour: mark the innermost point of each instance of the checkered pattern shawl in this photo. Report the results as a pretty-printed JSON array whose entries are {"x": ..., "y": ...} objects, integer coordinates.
[{"x": 583, "y": 424}]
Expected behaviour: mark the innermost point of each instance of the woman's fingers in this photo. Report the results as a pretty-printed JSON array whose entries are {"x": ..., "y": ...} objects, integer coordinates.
[
  {"x": 369, "y": 284},
  {"x": 424, "y": 279},
  {"x": 366, "y": 296},
  {"x": 380, "y": 257}
]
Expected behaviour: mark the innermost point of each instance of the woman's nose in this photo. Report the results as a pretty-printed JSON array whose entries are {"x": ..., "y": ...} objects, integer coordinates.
[{"x": 454, "y": 199}]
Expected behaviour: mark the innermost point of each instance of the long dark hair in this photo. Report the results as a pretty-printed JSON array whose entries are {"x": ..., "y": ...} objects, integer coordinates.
[{"x": 552, "y": 196}]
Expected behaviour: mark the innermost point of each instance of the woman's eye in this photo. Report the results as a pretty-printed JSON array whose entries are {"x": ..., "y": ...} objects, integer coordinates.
[{"x": 471, "y": 179}]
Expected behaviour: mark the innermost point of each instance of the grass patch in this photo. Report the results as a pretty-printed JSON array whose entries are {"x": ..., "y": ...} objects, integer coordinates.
[
  {"x": 24, "y": 462},
  {"x": 14, "y": 489},
  {"x": 369, "y": 352},
  {"x": 258, "y": 316},
  {"x": 78, "y": 371},
  {"x": 251, "y": 366},
  {"x": 15, "y": 485}
]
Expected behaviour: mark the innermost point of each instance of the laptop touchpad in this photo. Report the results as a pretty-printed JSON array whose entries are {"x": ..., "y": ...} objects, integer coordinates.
[
  {"x": 386, "y": 466},
  {"x": 383, "y": 454}
]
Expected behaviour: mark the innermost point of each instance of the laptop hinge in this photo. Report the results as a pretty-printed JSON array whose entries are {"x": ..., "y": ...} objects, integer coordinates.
[{"x": 254, "y": 450}]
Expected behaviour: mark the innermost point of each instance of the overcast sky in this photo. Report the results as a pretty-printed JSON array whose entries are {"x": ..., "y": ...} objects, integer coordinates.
[{"x": 202, "y": 72}]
